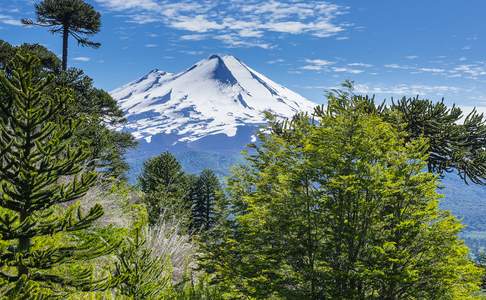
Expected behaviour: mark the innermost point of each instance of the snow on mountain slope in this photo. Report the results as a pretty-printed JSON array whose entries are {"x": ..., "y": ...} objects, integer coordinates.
[{"x": 215, "y": 96}]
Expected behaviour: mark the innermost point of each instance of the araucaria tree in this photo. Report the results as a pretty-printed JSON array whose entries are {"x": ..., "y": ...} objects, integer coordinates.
[
  {"x": 456, "y": 141},
  {"x": 42, "y": 169},
  {"x": 96, "y": 106},
  {"x": 338, "y": 206},
  {"x": 206, "y": 191},
  {"x": 165, "y": 186},
  {"x": 74, "y": 18}
]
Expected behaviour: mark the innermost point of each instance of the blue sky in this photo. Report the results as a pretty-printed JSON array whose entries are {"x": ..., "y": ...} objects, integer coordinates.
[{"x": 388, "y": 47}]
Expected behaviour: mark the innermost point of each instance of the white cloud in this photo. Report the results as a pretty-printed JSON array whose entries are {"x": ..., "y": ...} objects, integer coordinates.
[
  {"x": 196, "y": 24},
  {"x": 235, "y": 22},
  {"x": 396, "y": 66},
  {"x": 232, "y": 40},
  {"x": 82, "y": 58},
  {"x": 408, "y": 89},
  {"x": 8, "y": 20},
  {"x": 326, "y": 65},
  {"x": 431, "y": 70},
  {"x": 411, "y": 57},
  {"x": 472, "y": 71},
  {"x": 312, "y": 68},
  {"x": 347, "y": 70},
  {"x": 275, "y": 61},
  {"x": 193, "y": 37},
  {"x": 120, "y": 5},
  {"x": 151, "y": 46},
  {"x": 316, "y": 64},
  {"x": 363, "y": 65},
  {"x": 191, "y": 52},
  {"x": 319, "y": 62}
]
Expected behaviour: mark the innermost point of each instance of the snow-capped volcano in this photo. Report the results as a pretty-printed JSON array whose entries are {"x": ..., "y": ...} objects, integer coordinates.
[{"x": 215, "y": 96}]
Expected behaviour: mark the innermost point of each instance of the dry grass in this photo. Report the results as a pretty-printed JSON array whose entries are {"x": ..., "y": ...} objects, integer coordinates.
[{"x": 166, "y": 240}]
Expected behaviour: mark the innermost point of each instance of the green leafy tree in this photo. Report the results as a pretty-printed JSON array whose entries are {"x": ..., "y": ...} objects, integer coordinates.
[
  {"x": 337, "y": 206},
  {"x": 41, "y": 170},
  {"x": 165, "y": 186},
  {"x": 74, "y": 18},
  {"x": 206, "y": 191}
]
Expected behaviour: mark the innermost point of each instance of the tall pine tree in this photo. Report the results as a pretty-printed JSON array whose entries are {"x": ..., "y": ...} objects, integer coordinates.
[{"x": 41, "y": 170}]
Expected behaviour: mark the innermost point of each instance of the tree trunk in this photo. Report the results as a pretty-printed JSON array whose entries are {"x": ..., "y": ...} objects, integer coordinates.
[
  {"x": 23, "y": 248},
  {"x": 65, "y": 38}
]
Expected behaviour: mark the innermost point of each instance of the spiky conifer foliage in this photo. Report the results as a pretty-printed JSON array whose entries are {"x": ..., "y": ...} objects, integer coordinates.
[
  {"x": 456, "y": 142},
  {"x": 206, "y": 191},
  {"x": 74, "y": 18},
  {"x": 41, "y": 170},
  {"x": 162, "y": 171},
  {"x": 147, "y": 276},
  {"x": 165, "y": 186},
  {"x": 100, "y": 110}
]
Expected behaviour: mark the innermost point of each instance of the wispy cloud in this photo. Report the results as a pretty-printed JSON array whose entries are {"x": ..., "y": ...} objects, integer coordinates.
[
  {"x": 151, "y": 45},
  {"x": 275, "y": 61},
  {"x": 396, "y": 66},
  {"x": 193, "y": 37},
  {"x": 235, "y": 22},
  {"x": 82, "y": 58},
  {"x": 346, "y": 70},
  {"x": 470, "y": 71},
  {"x": 363, "y": 65},
  {"x": 330, "y": 66},
  {"x": 316, "y": 64},
  {"x": 192, "y": 52},
  {"x": 431, "y": 70},
  {"x": 407, "y": 89},
  {"x": 8, "y": 20}
]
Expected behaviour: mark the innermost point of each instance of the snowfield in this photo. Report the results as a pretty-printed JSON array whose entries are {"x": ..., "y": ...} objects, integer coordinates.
[{"x": 215, "y": 96}]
